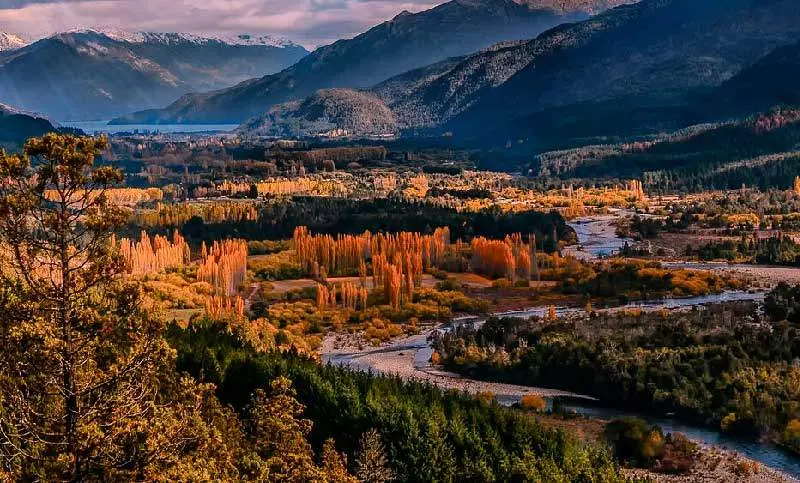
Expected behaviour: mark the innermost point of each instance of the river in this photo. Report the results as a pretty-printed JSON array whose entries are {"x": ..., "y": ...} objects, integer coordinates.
[
  {"x": 597, "y": 236},
  {"x": 409, "y": 358}
]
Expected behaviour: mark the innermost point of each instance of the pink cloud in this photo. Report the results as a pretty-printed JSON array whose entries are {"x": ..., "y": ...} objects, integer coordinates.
[{"x": 309, "y": 22}]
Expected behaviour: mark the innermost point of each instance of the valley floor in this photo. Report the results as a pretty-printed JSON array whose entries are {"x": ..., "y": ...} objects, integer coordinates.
[{"x": 407, "y": 358}]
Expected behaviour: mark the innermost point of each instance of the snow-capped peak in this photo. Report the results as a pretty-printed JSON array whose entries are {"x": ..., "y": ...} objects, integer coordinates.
[
  {"x": 242, "y": 39},
  {"x": 10, "y": 42},
  {"x": 177, "y": 38}
]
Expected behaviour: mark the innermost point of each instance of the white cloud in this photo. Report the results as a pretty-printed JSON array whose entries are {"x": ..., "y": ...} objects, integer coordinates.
[{"x": 308, "y": 22}]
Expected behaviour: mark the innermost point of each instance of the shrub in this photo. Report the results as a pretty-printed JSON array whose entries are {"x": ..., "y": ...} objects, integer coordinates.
[
  {"x": 791, "y": 435},
  {"x": 746, "y": 468},
  {"x": 449, "y": 284},
  {"x": 634, "y": 442},
  {"x": 501, "y": 283},
  {"x": 486, "y": 397},
  {"x": 680, "y": 454},
  {"x": 440, "y": 275},
  {"x": 533, "y": 402},
  {"x": 266, "y": 247}
]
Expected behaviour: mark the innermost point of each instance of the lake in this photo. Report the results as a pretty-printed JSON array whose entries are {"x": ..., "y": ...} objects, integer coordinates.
[{"x": 102, "y": 127}]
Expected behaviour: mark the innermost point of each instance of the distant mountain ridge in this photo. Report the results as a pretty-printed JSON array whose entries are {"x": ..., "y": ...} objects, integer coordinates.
[
  {"x": 16, "y": 126},
  {"x": 177, "y": 38},
  {"x": 406, "y": 42},
  {"x": 651, "y": 54},
  {"x": 93, "y": 74},
  {"x": 771, "y": 81}
]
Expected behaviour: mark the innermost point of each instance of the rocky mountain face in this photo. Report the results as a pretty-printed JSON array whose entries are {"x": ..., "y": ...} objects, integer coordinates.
[
  {"x": 10, "y": 42},
  {"x": 626, "y": 63},
  {"x": 408, "y": 41},
  {"x": 98, "y": 75}
]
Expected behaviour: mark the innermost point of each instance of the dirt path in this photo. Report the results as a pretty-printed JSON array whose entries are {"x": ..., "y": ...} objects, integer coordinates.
[{"x": 252, "y": 291}]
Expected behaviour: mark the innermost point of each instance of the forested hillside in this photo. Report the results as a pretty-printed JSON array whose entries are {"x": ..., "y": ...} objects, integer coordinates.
[
  {"x": 331, "y": 112},
  {"x": 759, "y": 151},
  {"x": 17, "y": 126},
  {"x": 633, "y": 57}
]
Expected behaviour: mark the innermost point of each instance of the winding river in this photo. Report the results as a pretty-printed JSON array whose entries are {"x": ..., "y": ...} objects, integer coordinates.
[{"x": 409, "y": 358}]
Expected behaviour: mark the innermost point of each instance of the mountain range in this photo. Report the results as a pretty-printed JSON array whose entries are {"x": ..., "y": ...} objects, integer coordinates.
[
  {"x": 546, "y": 74},
  {"x": 92, "y": 74},
  {"x": 408, "y": 41},
  {"x": 634, "y": 64},
  {"x": 656, "y": 64}
]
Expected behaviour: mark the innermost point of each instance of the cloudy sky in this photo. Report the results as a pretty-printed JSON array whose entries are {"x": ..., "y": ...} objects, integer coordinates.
[{"x": 308, "y": 22}]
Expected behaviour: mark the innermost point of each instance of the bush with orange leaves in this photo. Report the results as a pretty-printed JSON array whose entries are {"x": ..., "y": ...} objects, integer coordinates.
[
  {"x": 533, "y": 402},
  {"x": 486, "y": 397},
  {"x": 638, "y": 278}
]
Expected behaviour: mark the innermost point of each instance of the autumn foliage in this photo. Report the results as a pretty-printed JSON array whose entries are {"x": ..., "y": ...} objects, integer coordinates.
[
  {"x": 397, "y": 260},
  {"x": 510, "y": 258},
  {"x": 152, "y": 255},
  {"x": 224, "y": 266},
  {"x": 222, "y": 307},
  {"x": 350, "y": 296},
  {"x": 348, "y": 252}
]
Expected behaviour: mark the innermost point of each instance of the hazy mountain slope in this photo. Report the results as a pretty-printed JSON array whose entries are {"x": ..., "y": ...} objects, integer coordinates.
[
  {"x": 657, "y": 49},
  {"x": 16, "y": 126},
  {"x": 771, "y": 81},
  {"x": 589, "y": 6},
  {"x": 353, "y": 112},
  {"x": 759, "y": 149},
  {"x": 406, "y": 42},
  {"x": 95, "y": 75},
  {"x": 395, "y": 88}
]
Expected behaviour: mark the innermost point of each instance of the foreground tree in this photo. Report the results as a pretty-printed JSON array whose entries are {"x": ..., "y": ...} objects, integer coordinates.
[
  {"x": 372, "y": 466},
  {"x": 87, "y": 389}
]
